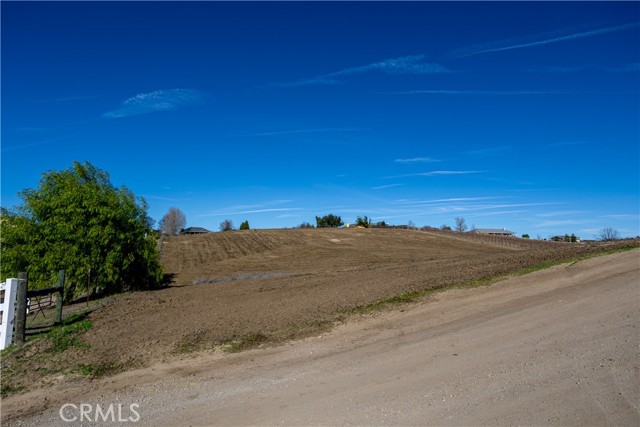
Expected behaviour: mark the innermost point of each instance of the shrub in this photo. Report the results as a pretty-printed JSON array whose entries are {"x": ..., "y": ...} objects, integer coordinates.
[
  {"x": 78, "y": 221},
  {"x": 363, "y": 222},
  {"x": 329, "y": 221}
]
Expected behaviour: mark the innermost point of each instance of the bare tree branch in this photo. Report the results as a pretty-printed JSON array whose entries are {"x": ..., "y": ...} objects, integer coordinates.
[
  {"x": 461, "y": 225},
  {"x": 173, "y": 222},
  {"x": 226, "y": 225},
  {"x": 608, "y": 234}
]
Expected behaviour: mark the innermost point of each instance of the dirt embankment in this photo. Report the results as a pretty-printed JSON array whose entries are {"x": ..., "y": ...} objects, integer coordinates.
[
  {"x": 276, "y": 284},
  {"x": 272, "y": 283},
  {"x": 556, "y": 347}
]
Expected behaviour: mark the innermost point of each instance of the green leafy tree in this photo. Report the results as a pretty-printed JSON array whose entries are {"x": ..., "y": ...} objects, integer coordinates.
[
  {"x": 244, "y": 225},
  {"x": 77, "y": 221},
  {"x": 363, "y": 221},
  {"x": 329, "y": 221},
  {"x": 525, "y": 236},
  {"x": 305, "y": 225}
]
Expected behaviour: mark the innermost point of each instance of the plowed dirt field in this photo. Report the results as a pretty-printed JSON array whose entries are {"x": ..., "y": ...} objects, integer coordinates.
[{"x": 239, "y": 289}]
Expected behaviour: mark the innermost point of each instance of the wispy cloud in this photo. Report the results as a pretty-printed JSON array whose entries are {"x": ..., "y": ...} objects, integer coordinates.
[
  {"x": 438, "y": 173},
  {"x": 557, "y": 223},
  {"x": 31, "y": 129},
  {"x": 262, "y": 207},
  {"x": 9, "y": 148},
  {"x": 524, "y": 190},
  {"x": 593, "y": 231},
  {"x": 296, "y": 131},
  {"x": 448, "y": 200},
  {"x": 382, "y": 187},
  {"x": 412, "y": 64},
  {"x": 503, "y": 92},
  {"x": 488, "y": 151},
  {"x": 435, "y": 173},
  {"x": 540, "y": 39},
  {"x": 64, "y": 99},
  {"x": 620, "y": 216},
  {"x": 472, "y": 207},
  {"x": 165, "y": 199},
  {"x": 288, "y": 216},
  {"x": 627, "y": 68},
  {"x": 159, "y": 100},
  {"x": 464, "y": 206},
  {"x": 483, "y": 214},
  {"x": 564, "y": 144},
  {"x": 418, "y": 160},
  {"x": 561, "y": 213},
  {"x": 476, "y": 92},
  {"x": 308, "y": 82},
  {"x": 445, "y": 173},
  {"x": 468, "y": 199},
  {"x": 554, "y": 69},
  {"x": 250, "y": 212}
]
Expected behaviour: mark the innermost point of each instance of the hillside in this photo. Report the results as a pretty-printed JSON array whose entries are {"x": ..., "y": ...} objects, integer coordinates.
[
  {"x": 530, "y": 350},
  {"x": 238, "y": 289},
  {"x": 314, "y": 251}
]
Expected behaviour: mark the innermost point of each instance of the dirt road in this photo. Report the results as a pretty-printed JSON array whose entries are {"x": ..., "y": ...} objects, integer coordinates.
[{"x": 556, "y": 347}]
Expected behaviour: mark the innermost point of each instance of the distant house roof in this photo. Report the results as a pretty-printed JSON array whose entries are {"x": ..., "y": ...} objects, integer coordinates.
[
  {"x": 494, "y": 231},
  {"x": 194, "y": 230}
]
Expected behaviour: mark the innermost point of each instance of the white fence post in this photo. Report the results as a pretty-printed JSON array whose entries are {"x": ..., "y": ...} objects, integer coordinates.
[{"x": 8, "y": 293}]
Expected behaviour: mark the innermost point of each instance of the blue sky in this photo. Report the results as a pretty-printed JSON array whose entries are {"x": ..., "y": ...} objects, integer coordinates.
[{"x": 517, "y": 115}]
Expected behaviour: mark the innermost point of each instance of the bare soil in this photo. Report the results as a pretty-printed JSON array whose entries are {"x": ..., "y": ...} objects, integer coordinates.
[
  {"x": 555, "y": 347},
  {"x": 239, "y": 289}
]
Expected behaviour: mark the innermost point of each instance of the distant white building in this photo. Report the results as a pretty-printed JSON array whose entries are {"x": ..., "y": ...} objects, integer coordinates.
[{"x": 494, "y": 231}]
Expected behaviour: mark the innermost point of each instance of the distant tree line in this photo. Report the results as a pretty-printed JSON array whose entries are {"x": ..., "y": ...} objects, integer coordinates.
[{"x": 174, "y": 221}]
